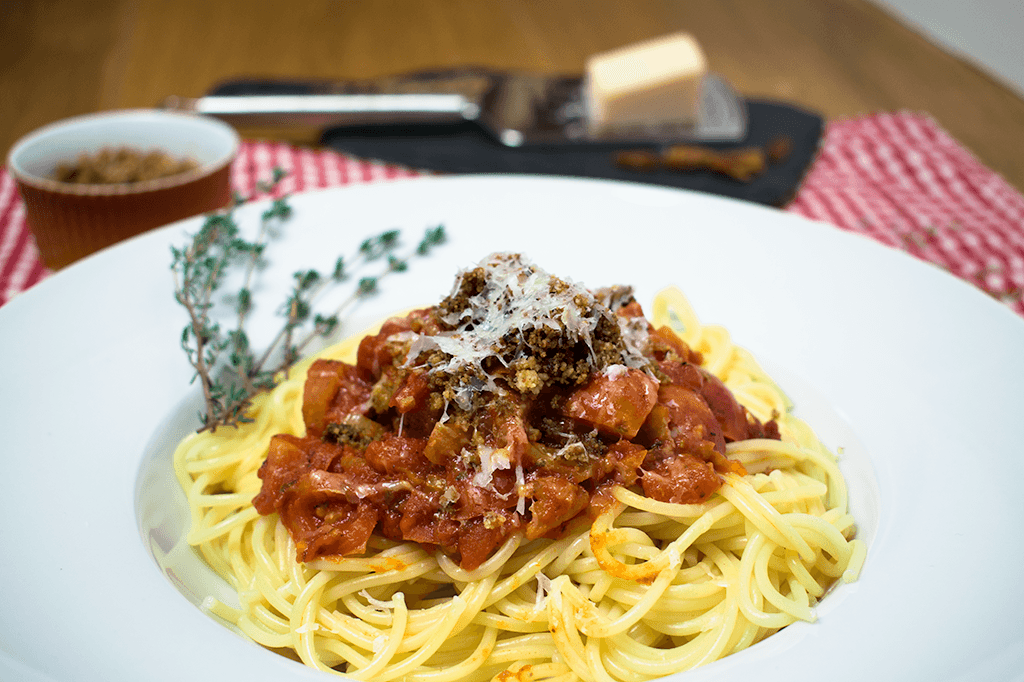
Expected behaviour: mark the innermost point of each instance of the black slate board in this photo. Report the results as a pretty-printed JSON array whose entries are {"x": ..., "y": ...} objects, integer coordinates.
[{"x": 466, "y": 148}]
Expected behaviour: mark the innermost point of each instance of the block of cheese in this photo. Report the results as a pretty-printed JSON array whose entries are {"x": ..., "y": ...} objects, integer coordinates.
[{"x": 653, "y": 83}]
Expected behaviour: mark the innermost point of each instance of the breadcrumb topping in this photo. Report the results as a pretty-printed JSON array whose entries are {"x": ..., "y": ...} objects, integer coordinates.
[{"x": 508, "y": 325}]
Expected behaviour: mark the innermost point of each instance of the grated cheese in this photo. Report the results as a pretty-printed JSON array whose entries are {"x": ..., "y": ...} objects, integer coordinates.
[
  {"x": 518, "y": 297},
  {"x": 490, "y": 461},
  {"x": 613, "y": 372},
  {"x": 543, "y": 590},
  {"x": 520, "y": 490}
]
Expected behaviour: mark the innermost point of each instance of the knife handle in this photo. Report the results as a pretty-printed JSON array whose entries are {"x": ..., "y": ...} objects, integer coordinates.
[{"x": 330, "y": 109}]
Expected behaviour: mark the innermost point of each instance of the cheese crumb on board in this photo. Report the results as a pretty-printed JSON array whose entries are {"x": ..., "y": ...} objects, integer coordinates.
[{"x": 654, "y": 83}]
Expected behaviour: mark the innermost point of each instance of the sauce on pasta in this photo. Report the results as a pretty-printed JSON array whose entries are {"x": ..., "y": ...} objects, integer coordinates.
[
  {"x": 513, "y": 406},
  {"x": 527, "y": 481}
]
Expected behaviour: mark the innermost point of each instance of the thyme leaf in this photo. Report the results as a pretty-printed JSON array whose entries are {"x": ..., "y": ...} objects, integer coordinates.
[{"x": 226, "y": 365}]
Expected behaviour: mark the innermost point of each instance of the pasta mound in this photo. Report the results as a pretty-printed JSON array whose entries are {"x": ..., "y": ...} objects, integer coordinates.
[{"x": 650, "y": 587}]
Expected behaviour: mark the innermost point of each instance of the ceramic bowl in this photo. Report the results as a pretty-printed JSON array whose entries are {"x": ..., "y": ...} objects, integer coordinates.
[{"x": 71, "y": 220}]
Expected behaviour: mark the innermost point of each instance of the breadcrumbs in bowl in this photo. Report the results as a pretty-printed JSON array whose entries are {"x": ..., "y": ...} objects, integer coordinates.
[{"x": 122, "y": 195}]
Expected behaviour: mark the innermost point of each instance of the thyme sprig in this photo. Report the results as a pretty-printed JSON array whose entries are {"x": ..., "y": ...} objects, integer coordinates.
[{"x": 227, "y": 367}]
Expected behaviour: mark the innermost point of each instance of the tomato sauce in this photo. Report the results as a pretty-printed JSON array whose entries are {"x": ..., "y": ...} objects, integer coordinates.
[{"x": 463, "y": 424}]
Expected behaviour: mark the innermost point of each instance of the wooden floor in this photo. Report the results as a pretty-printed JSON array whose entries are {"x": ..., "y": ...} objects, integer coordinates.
[{"x": 841, "y": 58}]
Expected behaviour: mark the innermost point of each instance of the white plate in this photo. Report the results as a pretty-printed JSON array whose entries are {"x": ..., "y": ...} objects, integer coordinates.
[{"x": 916, "y": 374}]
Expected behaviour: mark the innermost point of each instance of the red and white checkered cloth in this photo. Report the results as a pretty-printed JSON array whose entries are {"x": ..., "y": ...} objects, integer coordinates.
[
  {"x": 898, "y": 178},
  {"x": 903, "y": 180}
]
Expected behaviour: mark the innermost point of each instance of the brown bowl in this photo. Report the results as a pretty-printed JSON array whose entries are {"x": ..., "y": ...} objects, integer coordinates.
[{"x": 71, "y": 220}]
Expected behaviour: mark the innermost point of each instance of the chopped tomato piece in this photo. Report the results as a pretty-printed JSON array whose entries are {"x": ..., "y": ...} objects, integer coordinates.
[
  {"x": 616, "y": 403},
  {"x": 621, "y": 462},
  {"x": 663, "y": 338},
  {"x": 555, "y": 501},
  {"x": 684, "y": 479},
  {"x": 729, "y": 413},
  {"x": 446, "y": 441},
  {"x": 286, "y": 461},
  {"x": 333, "y": 390},
  {"x": 345, "y": 530},
  {"x": 502, "y": 425},
  {"x": 683, "y": 374},
  {"x": 689, "y": 418},
  {"x": 411, "y": 394},
  {"x": 631, "y": 309},
  {"x": 395, "y": 454},
  {"x": 478, "y": 538},
  {"x": 374, "y": 353},
  {"x": 419, "y": 518}
]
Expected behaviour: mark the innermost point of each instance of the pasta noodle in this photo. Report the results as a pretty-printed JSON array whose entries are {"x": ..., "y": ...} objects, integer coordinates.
[{"x": 649, "y": 589}]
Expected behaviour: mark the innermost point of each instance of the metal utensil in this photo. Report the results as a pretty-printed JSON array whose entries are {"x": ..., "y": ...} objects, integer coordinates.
[{"x": 516, "y": 109}]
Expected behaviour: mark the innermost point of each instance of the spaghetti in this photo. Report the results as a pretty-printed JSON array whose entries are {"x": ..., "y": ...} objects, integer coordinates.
[{"x": 648, "y": 588}]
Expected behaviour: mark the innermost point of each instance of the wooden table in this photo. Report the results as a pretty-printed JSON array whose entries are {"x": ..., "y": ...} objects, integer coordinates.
[{"x": 841, "y": 58}]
